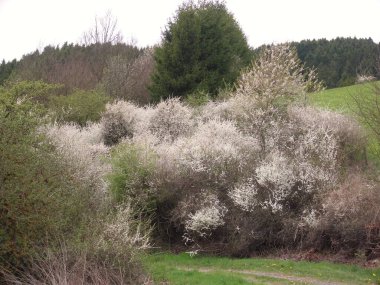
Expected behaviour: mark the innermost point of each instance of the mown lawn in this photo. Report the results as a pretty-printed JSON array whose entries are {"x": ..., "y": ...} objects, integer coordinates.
[{"x": 183, "y": 269}]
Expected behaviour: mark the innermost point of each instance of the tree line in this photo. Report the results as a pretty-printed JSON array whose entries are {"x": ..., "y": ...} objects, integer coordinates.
[
  {"x": 341, "y": 60},
  {"x": 338, "y": 62}
]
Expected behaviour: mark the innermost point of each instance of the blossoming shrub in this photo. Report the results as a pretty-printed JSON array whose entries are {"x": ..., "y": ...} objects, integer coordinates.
[
  {"x": 81, "y": 149},
  {"x": 208, "y": 217},
  {"x": 249, "y": 172},
  {"x": 170, "y": 120},
  {"x": 214, "y": 151},
  {"x": 350, "y": 137},
  {"x": 346, "y": 212},
  {"x": 119, "y": 121}
]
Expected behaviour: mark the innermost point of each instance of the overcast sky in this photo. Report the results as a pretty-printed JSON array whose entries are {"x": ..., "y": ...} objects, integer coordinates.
[{"x": 26, "y": 25}]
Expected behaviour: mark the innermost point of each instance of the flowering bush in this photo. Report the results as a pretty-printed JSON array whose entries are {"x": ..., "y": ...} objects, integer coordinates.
[
  {"x": 245, "y": 195},
  {"x": 81, "y": 150},
  {"x": 265, "y": 160},
  {"x": 214, "y": 156},
  {"x": 119, "y": 121},
  {"x": 278, "y": 72},
  {"x": 125, "y": 232},
  {"x": 170, "y": 120},
  {"x": 216, "y": 148},
  {"x": 208, "y": 217}
]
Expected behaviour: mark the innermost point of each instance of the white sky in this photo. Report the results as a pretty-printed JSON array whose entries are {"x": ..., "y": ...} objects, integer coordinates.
[{"x": 26, "y": 25}]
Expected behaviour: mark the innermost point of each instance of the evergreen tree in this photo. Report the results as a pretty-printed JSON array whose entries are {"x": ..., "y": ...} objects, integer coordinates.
[
  {"x": 203, "y": 49},
  {"x": 6, "y": 68}
]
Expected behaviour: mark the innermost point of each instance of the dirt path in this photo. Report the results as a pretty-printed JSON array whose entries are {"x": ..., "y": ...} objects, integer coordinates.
[{"x": 251, "y": 273}]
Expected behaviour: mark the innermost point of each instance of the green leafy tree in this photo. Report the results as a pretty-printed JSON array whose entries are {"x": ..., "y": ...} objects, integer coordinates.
[{"x": 203, "y": 48}]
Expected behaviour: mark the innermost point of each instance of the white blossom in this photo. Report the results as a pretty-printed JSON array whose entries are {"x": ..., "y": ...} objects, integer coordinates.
[
  {"x": 170, "y": 120},
  {"x": 208, "y": 217},
  {"x": 277, "y": 172},
  {"x": 81, "y": 150},
  {"x": 244, "y": 195},
  {"x": 124, "y": 230}
]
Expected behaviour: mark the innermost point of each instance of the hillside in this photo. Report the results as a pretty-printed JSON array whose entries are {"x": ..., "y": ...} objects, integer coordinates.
[{"x": 342, "y": 100}]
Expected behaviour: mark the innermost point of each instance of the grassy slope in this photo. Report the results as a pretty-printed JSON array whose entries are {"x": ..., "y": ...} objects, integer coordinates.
[
  {"x": 341, "y": 100},
  {"x": 183, "y": 269}
]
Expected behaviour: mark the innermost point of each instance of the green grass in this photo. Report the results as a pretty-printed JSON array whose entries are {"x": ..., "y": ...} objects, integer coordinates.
[
  {"x": 183, "y": 269},
  {"x": 342, "y": 100}
]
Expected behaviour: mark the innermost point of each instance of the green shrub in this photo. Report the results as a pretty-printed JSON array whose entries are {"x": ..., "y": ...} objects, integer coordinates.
[
  {"x": 132, "y": 166},
  {"x": 39, "y": 199},
  {"x": 198, "y": 98},
  {"x": 36, "y": 91},
  {"x": 79, "y": 107}
]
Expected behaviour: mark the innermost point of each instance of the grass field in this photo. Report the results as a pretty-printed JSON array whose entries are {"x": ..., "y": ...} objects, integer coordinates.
[
  {"x": 183, "y": 269},
  {"x": 342, "y": 100}
]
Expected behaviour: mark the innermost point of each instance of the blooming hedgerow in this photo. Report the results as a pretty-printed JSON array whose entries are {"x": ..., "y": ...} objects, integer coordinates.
[{"x": 266, "y": 160}]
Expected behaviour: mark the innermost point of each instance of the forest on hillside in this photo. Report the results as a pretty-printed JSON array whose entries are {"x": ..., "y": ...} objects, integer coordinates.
[{"x": 338, "y": 62}]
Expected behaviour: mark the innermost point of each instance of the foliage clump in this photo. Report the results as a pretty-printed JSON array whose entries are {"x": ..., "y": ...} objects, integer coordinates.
[
  {"x": 34, "y": 183},
  {"x": 80, "y": 107}
]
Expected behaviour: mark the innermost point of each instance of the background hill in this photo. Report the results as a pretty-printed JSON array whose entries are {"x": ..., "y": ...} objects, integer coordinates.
[{"x": 337, "y": 61}]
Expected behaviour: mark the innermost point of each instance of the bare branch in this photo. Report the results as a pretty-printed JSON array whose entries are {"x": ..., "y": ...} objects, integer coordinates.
[{"x": 104, "y": 31}]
